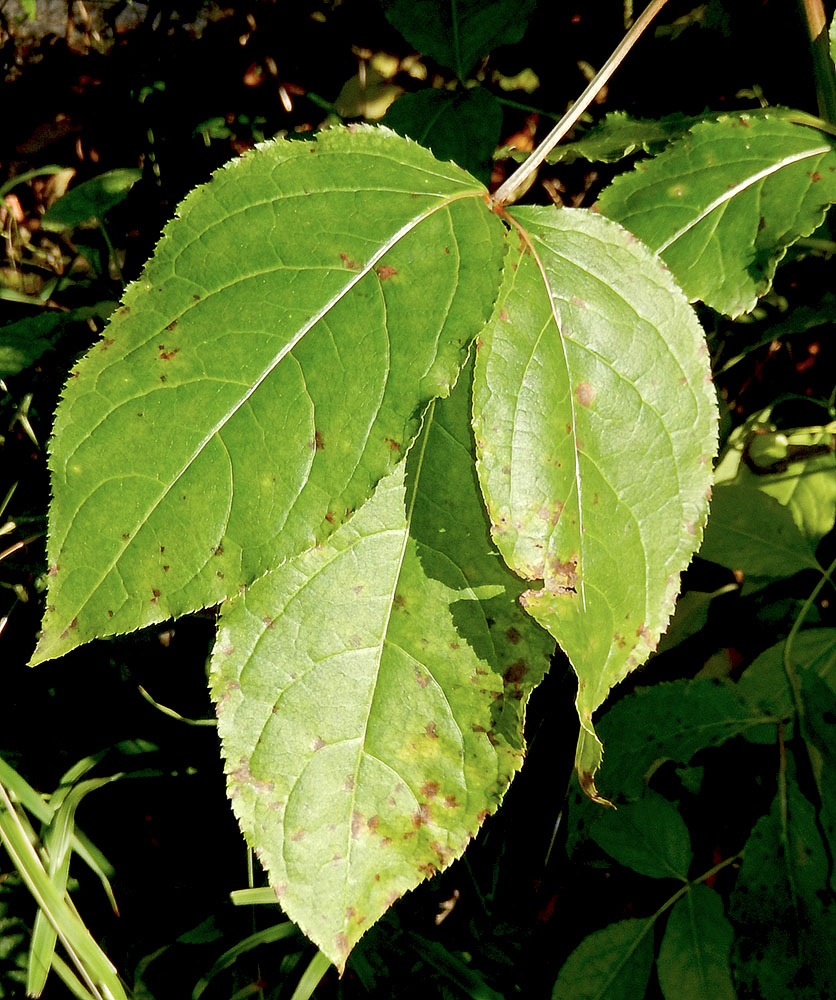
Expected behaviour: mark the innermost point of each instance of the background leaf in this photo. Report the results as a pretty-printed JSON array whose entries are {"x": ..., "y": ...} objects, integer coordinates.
[
  {"x": 371, "y": 693},
  {"x": 648, "y": 836},
  {"x": 248, "y": 402},
  {"x": 458, "y": 33},
  {"x": 783, "y": 908},
  {"x": 751, "y": 532},
  {"x": 672, "y": 721},
  {"x": 723, "y": 204},
  {"x": 595, "y": 425},
  {"x": 91, "y": 199},
  {"x": 610, "y": 964},
  {"x": 459, "y": 125},
  {"x": 693, "y": 960}
]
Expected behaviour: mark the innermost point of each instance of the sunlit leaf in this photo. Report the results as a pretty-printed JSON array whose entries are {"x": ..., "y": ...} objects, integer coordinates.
[
  {"x": 265, "y": 371},
  {"x": 91, "y": 199},
  {"x": 595, "y": 425},
  {"x": 722, "y": 204},
  {"x": 371, "y": 691}
]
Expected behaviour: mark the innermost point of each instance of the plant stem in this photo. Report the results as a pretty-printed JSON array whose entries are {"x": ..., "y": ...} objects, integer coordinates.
[
  {"x": 823, "y": 69},
  {"x": 506, "y": 191}
]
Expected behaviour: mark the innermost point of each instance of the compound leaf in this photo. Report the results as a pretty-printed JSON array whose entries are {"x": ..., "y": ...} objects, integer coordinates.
[
  {"x": 595, "y": 425},
  {"x": 722, "y": 204},
  {"x": 266, "y": 370},
  {"x": 371, "y": 692}
]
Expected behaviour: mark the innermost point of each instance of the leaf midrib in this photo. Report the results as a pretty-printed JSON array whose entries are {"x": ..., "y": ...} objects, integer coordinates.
[{"x": 367, "y": 268}]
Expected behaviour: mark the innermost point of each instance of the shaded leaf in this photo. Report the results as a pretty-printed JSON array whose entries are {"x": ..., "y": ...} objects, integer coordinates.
[
  {"x": 764, "y": 683},
  {"x": 460, "y": 125},
  {"x": 267, "y": 369},
  {"x": 648, "y": 836},
  {"x": 458, "y": 33},
  {"x": 752, "y": 532},
  {"x": 671, "y": 721},
  {"x": 783, "y": 908},
  {"x": 24, "y": 342},
  {"x": 610, "y": 964},
  {"x": 693, "y": 960},
  {"x": 371, "y": 691},
  {"x": 722, "y": 204},
  {"x": 595, "y": 424},
  {"x": 91, "y": 199}
]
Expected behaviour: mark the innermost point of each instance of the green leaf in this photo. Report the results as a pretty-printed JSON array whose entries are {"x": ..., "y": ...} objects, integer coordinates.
[
  {"x": 764, "y": 683},
  {"x": 595, "y": 425},
  {"x": 723, "y": 204},
  {"x": 269, "y": 366},
  {"x": 752, "y": 532},
  {"x": 648, "y": 836},
  {"x": 91, "y": 200},
  {"x": 618, "y": 135},
  {"x": 458, "y": 33},
  {"x": 461, "y": 125},
  {"x": 610, "y": 964},
  {"x": 24, "y": 342},
  {"x": 693, "y": 960},
  {"x": 783, "y": 909},
  {"x": 797, "y": 467},
  {"x": 371, "y": 692},
  {"x": 671, "y": 721}
]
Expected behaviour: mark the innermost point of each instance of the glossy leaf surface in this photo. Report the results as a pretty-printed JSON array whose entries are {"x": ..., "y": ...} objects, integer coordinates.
[
  {"x": 722, "y": 204},
  {"x": 595, "y": 425},
  {"x": 267, "y": 369},
  {"x": 371, "y": 692},
  {"x": 693, "y": 960}
]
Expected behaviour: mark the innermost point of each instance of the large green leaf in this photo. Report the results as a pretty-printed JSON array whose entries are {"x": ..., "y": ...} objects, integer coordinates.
[
  {"x": 693, "y": 960},
  {"x": 610, "y": 964},
  {"x": 595, "y": 427},
  {"x": 266, "y": 370},
  {"x": 723, "y": 204},
  {"x": 458, "y": 33},
  {"x": 371, "y": 692}
]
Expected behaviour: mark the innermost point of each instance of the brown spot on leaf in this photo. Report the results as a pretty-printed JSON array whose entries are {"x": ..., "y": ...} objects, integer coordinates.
[
  {"x": 53, "y": 570},
  {"x": 429, "y": 789},
  {"x": 373, "y": 823},
  {"x": 107, "y": 343},
  {"x": 386, "y": 271},
  {"x": 318, "y": 442},
  {"x": 423, "y": 679},
  {"x": 422, "y": 817},
  {"x": 171, "y": 325},
  {"x": 393, "y": 445},
  {"x": 349, "y": 262},
  {"x": 430, "y": 730},
  {"x": 450, "y": 802},
  {"x": 815, "y": 176},
  {"x": 166, "y": 569},
  {"x": 110, "y": 614},
  {"x": 341, "y": 941},
  {"x": 503, "y": 315},
  {"x": 483, "y": 815},
  {"x": 428, "y": 869},
  {"x": 399, "y": 601},
  {"x": 167, "y": 355},
  {"x": 691, "y": 528},
  {"x": 349, "y": 783},
  {"x": 317, "y": 744},
  {"x": 386, "y": 842},
  {"x": 329, "y": 517},
  {"x": 513, "y": 636},
  {"x": 585, "y": 394},
  {"x": 356, "y": 824},
  {"x": 454, "y": 645}
]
